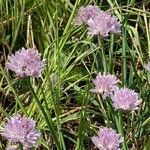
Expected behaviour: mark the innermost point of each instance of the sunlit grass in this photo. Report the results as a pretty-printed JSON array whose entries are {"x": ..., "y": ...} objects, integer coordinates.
[{"x": 66, "y": 112}]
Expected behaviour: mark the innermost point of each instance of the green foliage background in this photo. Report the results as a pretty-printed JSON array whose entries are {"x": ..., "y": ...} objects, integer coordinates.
[{"x": 67, "y": 114}]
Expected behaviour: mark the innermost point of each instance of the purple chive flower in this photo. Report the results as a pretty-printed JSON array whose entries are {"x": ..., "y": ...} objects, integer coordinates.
[
  {"x": 105, "y": 84},
  {"x": 21, "y": 130},
  {"x": 86, "y": 13},
  {"x": 103, "y": 24},
  {"x": 26, "y": 62},
  {"x": 125, "y": 99},
  {"x": 147, "y": 66},
  {"x": 107, "y": 139}
]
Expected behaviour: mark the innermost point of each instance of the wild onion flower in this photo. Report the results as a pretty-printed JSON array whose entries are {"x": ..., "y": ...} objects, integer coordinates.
[
  {"x": 21, "y": 130},
  {"x": 147, "y": 66},
  {"x": 86, "y": 13},
  {"x": 125, "y": 99},
  {"x": 103, "y": 24},
  {"x": 26, "y": 62},
  {"x": 105, "y": 84},
  {"x": 107, "y": 139}
]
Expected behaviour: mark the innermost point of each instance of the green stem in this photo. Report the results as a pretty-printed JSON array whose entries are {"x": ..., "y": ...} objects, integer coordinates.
[
  {"x": 104, "y": 60},
  {"x": 101, "y": 44},
  {"x": 124, "y": 63},
  {"x": 48, "y": 120},
  {"x": 103, "y": 110},
  {"x": 20, "y": 146},
  {"x": 111, "y": 53},
  {"x": 56, "y": 110},
  {"x": 58, "y": 92},
  {"x": 65, "y": 33},
  {"x": 120, "y": 129}
]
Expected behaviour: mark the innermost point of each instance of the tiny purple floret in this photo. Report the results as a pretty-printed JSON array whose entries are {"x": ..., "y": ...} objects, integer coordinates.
[
  {"x": 107, "y": 139},
  {"x": 125, "y": 99},
  {"x": 21, "y": 130},
  {"x": 26, "y": 62},
  {"x": 103, "y": 24},
  {"x": 105, "y": 84},
  {"x": 85, "y": 13}
]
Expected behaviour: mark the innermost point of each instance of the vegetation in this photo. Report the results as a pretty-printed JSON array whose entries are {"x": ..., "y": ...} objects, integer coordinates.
[{"x": 66, "y": 112}]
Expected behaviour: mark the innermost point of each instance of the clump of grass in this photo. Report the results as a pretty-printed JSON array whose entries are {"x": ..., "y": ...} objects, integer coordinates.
[{"x": 66, "y": 112}]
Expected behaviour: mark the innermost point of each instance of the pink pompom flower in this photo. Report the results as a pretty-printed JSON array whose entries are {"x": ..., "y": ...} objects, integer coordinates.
[
  {"x": 21, "y": 130},
  {"x": 107, "y": 139},
  {"x": 125, "y": 99},
  {"x": 85, "y": 13},
  {"x": 103, "y": 24},
  {"x": 26, "y": 62},
  {"x": 105, "y": 84}
]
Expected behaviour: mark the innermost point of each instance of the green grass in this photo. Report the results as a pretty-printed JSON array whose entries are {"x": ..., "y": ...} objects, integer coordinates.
[{"x": 67, "y": 114}]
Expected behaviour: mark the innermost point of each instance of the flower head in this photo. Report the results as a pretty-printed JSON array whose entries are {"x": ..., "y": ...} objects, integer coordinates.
[
  {"x": 86, "y": 13},
  {"x": 147, "y": 66},
  {"x": 105, "y": 84},
  {"x": 107, "y": 139},
  {"x": 26, "y": 62},
  {"x": 103, "y": 24},
  {"x": 21, "y": 130},
  {"x": 125, "y": 99}
]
